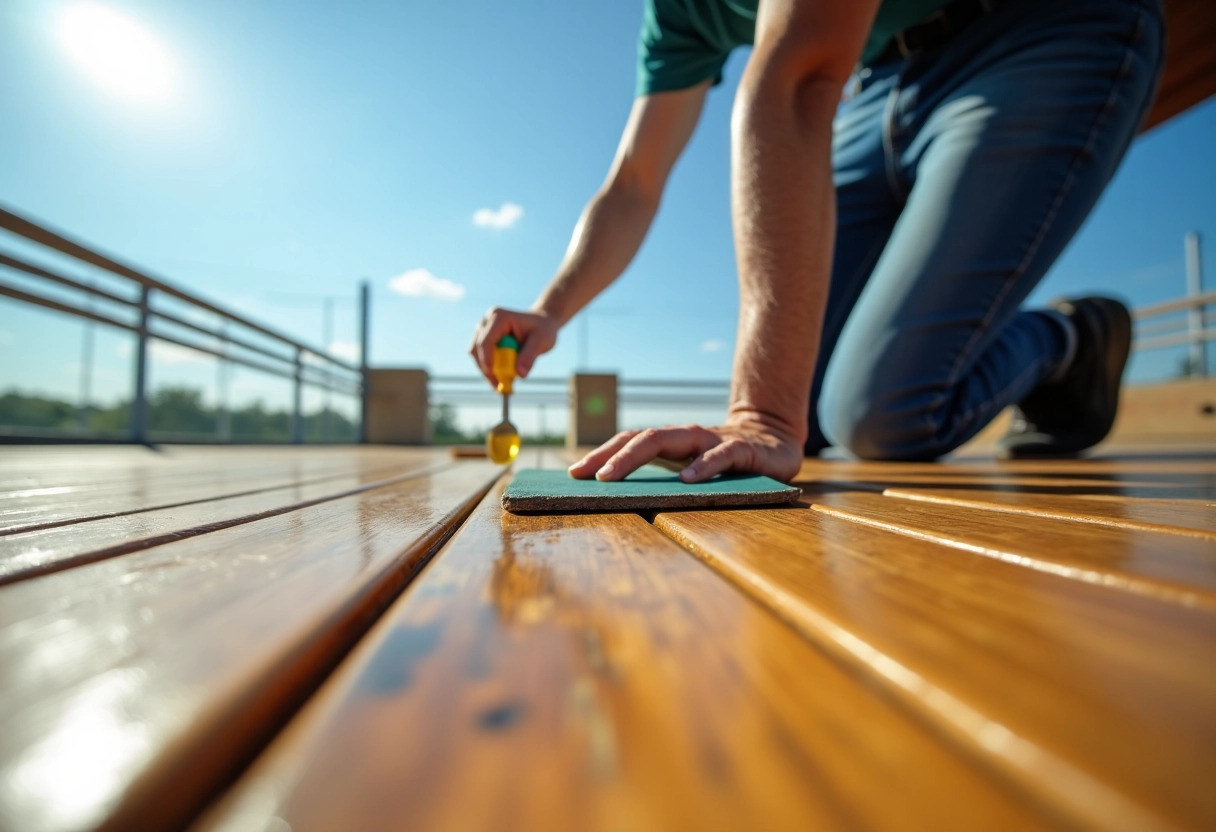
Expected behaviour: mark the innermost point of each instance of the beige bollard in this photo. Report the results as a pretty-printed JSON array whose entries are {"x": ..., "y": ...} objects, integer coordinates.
[
  {"x": 397, "y": 405},
  {"x": 593, "y": 409}
]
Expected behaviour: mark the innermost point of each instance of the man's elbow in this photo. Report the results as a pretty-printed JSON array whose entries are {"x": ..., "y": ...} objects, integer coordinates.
[
  {"x": 808, "y": 77},
  {"x": 631, "y": 183}
]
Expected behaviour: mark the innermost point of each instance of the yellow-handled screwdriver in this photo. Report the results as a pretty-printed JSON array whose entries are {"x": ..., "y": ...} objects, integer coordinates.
[{"x": 502, "y": 443}]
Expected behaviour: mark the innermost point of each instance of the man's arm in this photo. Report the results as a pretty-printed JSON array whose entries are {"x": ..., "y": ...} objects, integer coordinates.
[
  {"x": 610, "y": 231},
  {"x": 783, "y": 209}
]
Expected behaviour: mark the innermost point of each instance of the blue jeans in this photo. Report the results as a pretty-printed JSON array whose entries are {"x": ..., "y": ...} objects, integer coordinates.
[{"x": 961, "y": 174}]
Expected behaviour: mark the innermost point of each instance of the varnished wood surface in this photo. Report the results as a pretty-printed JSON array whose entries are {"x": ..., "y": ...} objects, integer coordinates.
[
  {"x": 133, "y": 686},
  {"x": 971, "y": 644},
  {"x": 582, "y": 672},
  {"x": 1093, "y": 700},
  {"x": 57, "y": 486},
  {"x": 45, "y": 549},
  {"x": 1179, "y": 568}
]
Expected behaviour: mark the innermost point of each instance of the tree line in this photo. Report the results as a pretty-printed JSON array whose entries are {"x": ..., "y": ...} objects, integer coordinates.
[{"x": 180, "y": 412}]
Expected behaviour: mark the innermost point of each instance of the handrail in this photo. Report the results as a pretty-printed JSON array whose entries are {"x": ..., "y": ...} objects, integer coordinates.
[
  {"x": 282, "y": 356},
  {"x": 23, "y": 227},
  {"x": 1177, "y": 305}
]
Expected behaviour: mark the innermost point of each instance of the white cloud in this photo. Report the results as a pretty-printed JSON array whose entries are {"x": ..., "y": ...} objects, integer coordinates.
[
  {"x": 503, "y": 217},
  {"x": 713, "y": 345},
  {"x": 346, "y": 350},
  {"x": 420, "y": 283}
]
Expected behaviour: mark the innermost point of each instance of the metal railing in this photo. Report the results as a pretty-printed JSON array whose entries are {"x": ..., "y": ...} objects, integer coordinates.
[
  {"x": 1187, "y": 319},
  {"x": 138, "y": 303}
]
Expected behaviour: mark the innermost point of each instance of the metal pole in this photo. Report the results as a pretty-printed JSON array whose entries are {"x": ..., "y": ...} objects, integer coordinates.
[
  {"x": 297, "y": 407},
  {"x": 83, "y": 408},
  {"x": 365, "y": 307},
  {"x": 327, "y": 337},
  {"x": 1194, "y": 288},
  {"x": 223, "y": 420},
  {"x": 139, "y": 403}
]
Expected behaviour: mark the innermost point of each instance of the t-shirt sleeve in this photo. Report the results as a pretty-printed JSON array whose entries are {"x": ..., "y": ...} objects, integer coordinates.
[{"x": 672, "y": 54}]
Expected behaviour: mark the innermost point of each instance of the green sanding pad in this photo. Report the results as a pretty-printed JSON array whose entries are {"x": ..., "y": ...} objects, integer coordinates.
[{"x": 650, "y": 487}]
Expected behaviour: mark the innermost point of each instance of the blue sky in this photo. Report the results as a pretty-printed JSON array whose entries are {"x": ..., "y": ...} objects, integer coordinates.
[{"x": 304, "y": 146}]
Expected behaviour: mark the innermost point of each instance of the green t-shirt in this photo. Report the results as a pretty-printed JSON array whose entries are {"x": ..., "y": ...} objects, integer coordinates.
[{"x": 685, "y": 42}]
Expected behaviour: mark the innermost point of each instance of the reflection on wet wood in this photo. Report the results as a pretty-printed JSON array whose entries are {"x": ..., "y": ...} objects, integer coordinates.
[
  {"x": 582, "y": 672},
  {"x": 134, "y": 686},
  {"x": 1091, "y": 700}
]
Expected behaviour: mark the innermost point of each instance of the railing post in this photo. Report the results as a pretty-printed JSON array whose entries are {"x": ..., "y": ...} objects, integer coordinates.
[
  {"x": 1194, "y": 316},
  {"x": 139, "y": 402},
  {"x": 297, "y": 405},
  {"x": 365, "y": 307}
]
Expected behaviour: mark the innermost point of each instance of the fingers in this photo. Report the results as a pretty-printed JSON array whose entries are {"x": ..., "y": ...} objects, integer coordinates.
[
  {"x": 535, "y": 333},
  {"x": 625, "y": 457},
  {"x": 587, "y": 467},
  {"x": 495, "y": 324},
  {"x": 539, "y": 341},
  {"x": 732, "y": 454}
]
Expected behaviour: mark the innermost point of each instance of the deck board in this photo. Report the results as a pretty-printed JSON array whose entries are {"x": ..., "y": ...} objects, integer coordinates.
[
  {"x": 982, "y": 644},
  {"x": 1103, "y": 701},
  {"x": 1166, "y": 566},
  {"x": 147, "y": 480},
  {"x": 165, "y": 668},
  {"x": 63, "y": 545},
  {"x": 581, "y": 672}
]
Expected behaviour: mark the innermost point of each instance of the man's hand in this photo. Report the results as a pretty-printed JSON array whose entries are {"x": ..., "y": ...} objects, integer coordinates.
[
  {"x": 743, "y": 444},
  {"x": 536, "y": 335}
]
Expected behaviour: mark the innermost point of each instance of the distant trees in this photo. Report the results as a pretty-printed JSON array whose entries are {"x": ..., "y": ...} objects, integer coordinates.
[
  {"x": 180, "y": 413},
  {"x": 174, "y": 412}
]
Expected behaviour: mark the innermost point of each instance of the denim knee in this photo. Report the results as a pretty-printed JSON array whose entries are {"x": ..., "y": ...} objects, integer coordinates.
[{"x": 891, "y": 428}]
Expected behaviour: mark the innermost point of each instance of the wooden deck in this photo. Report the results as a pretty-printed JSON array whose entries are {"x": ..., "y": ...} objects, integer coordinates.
[{"x": 359, "y": 638}]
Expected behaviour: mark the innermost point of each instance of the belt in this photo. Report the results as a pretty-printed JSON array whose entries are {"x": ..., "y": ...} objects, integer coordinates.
[{"x": 936, "y": 29}]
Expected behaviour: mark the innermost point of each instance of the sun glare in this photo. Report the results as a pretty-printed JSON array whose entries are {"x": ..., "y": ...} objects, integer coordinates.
[{"x": 117, "y": 52}]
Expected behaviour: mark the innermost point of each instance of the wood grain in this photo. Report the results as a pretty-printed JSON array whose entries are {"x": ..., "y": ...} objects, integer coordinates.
[
  {"x": 1170, "y": 567},
  {"x": 60, "y": 494},
  {"x": 1095, "y": 702},
  {"x": 133, "y": 687},
  {"x": 583, "y": 672},
  {"x": 1166, "y": 516},
  {"x": 39, "y": 552}
]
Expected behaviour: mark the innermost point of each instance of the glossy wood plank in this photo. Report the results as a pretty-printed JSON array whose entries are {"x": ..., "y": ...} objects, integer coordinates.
[
  {"x": 1171, "y": 517},
  {"x": 1072, "y": 478},
  {"x": 1169, "y": 567},
  {"x": 59, "y": 498},
  {"x": 133, "y": 687},
  {"x": 575, "y": 672},
  {"x": 1097, "y": 702},
  {"x": 28, "y": 554}
]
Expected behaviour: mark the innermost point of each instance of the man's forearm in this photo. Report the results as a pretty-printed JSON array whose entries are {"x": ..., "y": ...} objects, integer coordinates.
[
  {"x": 784, "y": 220},
  {"x": 608, "y": 235}
]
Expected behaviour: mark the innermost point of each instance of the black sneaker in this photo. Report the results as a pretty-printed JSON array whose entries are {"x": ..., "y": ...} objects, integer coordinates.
[{"x": 1063, "y": 417}]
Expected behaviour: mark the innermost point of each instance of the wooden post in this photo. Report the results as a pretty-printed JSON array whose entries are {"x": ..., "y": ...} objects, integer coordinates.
[
  {"x": 593, "y": 409},
  {"x": 397, "y": 407}
]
